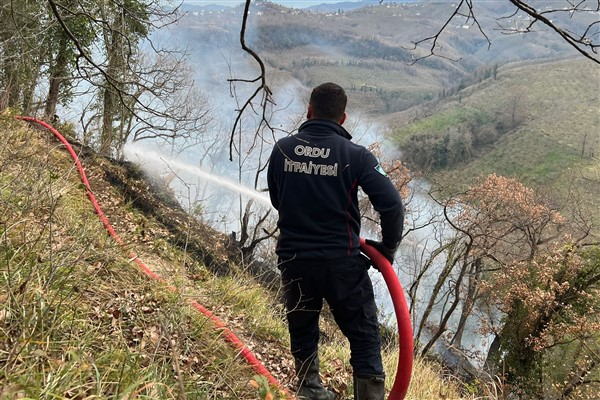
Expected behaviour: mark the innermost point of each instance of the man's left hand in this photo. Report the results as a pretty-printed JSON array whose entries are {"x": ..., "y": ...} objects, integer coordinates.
[{"x": 383, "y": 249}]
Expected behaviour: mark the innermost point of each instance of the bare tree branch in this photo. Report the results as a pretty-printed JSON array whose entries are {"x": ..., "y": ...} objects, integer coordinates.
[
  {"x": 469, "y": 17},
  {"x": 584, "y": 44},
  {"x": 262, "y": 88}
]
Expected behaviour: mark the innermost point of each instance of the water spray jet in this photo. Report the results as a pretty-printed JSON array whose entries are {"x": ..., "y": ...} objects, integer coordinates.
[{"x": 150, "y": 157}]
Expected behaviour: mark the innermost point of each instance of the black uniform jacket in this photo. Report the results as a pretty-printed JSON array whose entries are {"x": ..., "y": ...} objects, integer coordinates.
[{"x": 313, "y": 180}]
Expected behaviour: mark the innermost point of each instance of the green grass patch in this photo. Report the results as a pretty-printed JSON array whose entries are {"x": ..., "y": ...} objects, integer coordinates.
[
  {"x": 439, "y": 123},
  {"x": 77, "y": 318}
]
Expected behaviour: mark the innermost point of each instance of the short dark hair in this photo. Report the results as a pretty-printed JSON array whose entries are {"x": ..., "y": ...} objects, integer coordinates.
[{"x": 328, "y": 101}]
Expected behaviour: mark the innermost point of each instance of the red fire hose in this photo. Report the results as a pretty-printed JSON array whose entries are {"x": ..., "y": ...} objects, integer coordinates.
[
  {"x": 405, "y": 358},
  {"x": 405, "y": 334}
]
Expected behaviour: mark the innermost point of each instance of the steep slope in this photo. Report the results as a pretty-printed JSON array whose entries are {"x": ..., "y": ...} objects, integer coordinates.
[{"x": 78, "y": 319}]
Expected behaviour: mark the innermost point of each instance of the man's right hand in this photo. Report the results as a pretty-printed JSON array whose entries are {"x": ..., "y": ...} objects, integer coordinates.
[{"x": 387, "y": 252}]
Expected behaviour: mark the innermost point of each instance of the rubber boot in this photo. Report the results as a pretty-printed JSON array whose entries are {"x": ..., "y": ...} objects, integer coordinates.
[
  {"x": 369, "y": 387},
  {"x": 310, "y": 383}
]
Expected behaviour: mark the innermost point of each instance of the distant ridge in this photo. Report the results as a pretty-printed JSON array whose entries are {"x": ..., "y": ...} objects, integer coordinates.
[
  {"x": 323, "y": 7},
  {"x": 343, "y": 5},
  {"x": 210, "y": 7}
]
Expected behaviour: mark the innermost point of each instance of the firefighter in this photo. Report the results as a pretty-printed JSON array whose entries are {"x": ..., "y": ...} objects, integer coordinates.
[{"x": 313, "y": 178}]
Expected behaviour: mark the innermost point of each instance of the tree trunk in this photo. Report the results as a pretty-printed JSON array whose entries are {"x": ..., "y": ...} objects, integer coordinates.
[
  {"x": 12, "y": 84},
  {"x": 448, "y": 267},
  {"x": 57, "y": 76},
  {"x": 442, "y": 327},
  {"x": 107, "y": 134},
  {"x": 469, "y": 302},
  {"x": 491, "y": 361},
  {"x": 109, "y": 98}
]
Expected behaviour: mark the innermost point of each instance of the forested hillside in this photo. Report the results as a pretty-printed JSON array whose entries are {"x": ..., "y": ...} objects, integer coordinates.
[
  {"x": 536, "y": 123},
  {"x": 372, "y": 51}
]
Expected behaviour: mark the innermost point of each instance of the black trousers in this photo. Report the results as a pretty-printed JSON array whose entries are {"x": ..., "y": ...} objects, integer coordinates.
[{"x": 347, "y": 288}]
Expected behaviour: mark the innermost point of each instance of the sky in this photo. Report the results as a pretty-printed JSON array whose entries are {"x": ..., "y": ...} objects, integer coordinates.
[{"x": 287, "y": 3}]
